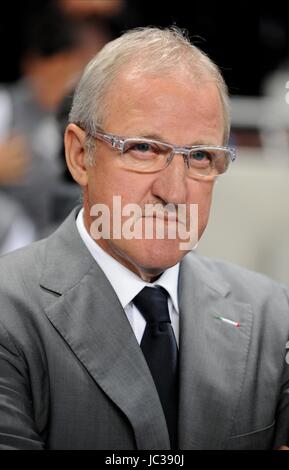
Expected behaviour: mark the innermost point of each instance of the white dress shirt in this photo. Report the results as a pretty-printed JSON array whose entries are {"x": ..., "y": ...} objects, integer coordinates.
[{"x": 127, "y": 284}]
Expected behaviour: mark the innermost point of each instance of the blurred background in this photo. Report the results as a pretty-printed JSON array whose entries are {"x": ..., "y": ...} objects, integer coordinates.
[{"x": 44, "y": 48}]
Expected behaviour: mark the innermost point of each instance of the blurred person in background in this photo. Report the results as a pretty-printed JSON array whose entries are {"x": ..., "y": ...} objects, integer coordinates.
[
  {"x": 50, "y": 65},
  {"x": 57, "y": 43},
  {"x": 82, "y": 8},
  {"x": 16, "y": 228}
]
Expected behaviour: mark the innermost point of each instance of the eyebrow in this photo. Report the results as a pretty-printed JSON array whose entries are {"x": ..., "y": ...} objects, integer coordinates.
[{"x": 158, "y": 137}]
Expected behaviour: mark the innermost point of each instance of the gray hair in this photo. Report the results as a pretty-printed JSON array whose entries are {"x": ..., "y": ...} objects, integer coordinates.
[{"x": 148, "y": 50}]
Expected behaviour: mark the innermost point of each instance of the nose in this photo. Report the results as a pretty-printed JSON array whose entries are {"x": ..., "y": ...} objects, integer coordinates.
[{"x": 171, "y": 183}]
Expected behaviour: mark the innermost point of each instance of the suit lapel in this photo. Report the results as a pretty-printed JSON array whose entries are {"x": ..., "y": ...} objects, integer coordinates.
[
  {"x": 91, "y": 320},
  {"x": 213, "y": 357}
]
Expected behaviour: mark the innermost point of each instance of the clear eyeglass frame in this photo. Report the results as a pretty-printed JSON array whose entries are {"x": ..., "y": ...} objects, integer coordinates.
[{"x": 217, "y": 158}]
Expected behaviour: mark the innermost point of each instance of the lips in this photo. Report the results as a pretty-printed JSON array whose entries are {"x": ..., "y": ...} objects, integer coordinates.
[{"x": 165, "y": 216}]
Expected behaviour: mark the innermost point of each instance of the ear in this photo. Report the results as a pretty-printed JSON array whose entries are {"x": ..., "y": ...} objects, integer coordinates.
[{"x": 74, "y": 139}]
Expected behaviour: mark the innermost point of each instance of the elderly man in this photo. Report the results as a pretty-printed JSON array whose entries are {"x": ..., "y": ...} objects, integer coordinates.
[{"x": 112, "y": 338}]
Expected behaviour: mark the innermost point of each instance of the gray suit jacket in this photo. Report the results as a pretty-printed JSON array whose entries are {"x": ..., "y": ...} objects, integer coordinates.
[{"x": 72, "y": 375}]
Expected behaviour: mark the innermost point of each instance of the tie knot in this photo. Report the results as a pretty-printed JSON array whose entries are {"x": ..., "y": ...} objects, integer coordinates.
[{"x": 152, "y": 302}]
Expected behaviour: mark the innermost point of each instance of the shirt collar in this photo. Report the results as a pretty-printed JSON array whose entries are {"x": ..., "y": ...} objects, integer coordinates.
[{"x": 126, "y": 283}]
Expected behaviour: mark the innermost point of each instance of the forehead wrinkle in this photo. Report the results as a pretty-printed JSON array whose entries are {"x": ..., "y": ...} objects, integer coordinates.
[{"x": 132, "y": 103}]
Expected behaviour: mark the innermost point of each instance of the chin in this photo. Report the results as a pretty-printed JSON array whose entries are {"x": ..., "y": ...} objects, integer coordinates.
[{"x": 154, "y": 256}]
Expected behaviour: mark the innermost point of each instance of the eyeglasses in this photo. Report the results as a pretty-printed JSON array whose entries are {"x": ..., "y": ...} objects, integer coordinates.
[{"x": 149, "y": 156}]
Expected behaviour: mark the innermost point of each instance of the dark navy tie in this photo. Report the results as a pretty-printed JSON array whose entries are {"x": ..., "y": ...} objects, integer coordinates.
[{"x": 159, "y": 347}]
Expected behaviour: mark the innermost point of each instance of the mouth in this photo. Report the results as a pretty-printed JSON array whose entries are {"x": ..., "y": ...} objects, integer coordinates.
[{"x": 165, "y": 216}]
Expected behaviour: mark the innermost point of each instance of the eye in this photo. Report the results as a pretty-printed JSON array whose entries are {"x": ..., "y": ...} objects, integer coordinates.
[
  {"x": 141, "y": 147},
  {"x": 200, "y": 155}
]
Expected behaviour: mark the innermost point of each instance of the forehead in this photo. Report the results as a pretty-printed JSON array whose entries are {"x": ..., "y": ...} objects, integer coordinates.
[{"x": 174, "y": 106}]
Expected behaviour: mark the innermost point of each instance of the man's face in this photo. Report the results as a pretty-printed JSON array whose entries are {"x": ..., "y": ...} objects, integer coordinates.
[{"x": 171, "y": 109}]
